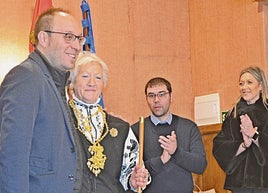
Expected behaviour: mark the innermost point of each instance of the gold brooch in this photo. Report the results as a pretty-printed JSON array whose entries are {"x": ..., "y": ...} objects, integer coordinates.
[{"x": 113, "y": 132}]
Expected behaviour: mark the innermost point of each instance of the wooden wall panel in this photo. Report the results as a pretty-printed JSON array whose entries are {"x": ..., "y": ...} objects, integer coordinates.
[
  {"x": 226, "y": 36},
  {"x": 199, "y": 45},
  {"x": 213, "y": 177},
  {"x": 137, "y": 39}
]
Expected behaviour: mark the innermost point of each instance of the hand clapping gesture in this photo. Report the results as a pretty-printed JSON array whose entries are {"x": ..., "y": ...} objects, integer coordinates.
[
  {"x": 247, "y": 129},
  {"x": 169, "y": 145}
]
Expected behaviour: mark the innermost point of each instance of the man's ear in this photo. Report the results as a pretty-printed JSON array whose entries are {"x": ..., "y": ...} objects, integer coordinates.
[{"x": 43, "y": 39}]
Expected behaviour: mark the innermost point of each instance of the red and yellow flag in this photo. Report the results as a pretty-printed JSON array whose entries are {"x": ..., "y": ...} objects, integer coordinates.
[{"x": 40, "y": 6}]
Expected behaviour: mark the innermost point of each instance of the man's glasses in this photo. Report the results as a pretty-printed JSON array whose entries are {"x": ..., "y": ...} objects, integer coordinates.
[
  {"x": 69, "y": 37},
  {"x": 160, "y": 95}
]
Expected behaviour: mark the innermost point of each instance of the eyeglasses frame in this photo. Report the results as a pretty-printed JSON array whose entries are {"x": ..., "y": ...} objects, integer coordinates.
[
  {"x": 160, "y": 95},
  {"x": 68, "y": 33}
]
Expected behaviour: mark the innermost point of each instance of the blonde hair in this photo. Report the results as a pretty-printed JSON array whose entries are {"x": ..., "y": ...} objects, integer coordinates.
[{"x": 259, "y": 75}]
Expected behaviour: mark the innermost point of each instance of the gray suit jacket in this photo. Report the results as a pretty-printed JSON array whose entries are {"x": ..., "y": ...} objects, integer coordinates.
[{"x": 37, "y": 151}]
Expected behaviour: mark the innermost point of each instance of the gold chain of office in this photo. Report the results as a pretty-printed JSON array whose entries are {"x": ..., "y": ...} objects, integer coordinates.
[{"x": 97, "y": 161}]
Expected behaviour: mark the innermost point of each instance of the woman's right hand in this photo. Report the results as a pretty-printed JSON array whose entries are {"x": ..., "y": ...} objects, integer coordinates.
[{"x": 247, "y": 139}]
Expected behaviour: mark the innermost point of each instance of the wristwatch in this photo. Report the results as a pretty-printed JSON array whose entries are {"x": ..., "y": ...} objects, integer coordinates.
[{"x": 256, "y": 135}]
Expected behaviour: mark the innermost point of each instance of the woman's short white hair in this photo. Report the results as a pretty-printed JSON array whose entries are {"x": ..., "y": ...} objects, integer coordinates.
[{"x": 86, "y": 57}]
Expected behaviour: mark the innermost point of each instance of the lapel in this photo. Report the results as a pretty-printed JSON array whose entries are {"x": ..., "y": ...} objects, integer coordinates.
[{"x": 45, "y": 72}]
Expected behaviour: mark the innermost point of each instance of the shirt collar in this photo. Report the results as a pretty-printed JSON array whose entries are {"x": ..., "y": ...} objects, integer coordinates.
[{"x": 156, "y": 121}]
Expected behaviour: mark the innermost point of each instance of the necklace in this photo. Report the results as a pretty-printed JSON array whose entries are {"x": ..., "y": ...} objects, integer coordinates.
[{"x": 84, "y": 125}]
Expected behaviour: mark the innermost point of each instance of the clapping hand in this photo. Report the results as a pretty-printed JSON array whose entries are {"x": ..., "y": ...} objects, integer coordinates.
[{"x": 169, "y": 145}]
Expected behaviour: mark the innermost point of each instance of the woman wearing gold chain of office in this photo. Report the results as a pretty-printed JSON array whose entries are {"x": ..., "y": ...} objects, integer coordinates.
[{"x": 108, "y": 149}]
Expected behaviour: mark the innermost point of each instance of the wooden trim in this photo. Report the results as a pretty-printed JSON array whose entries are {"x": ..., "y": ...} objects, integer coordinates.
[{"x": 210, "y": 129}]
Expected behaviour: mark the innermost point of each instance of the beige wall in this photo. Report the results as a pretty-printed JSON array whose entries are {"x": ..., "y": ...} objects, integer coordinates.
[
  {"x": 226, "y": 36},
  {"x": 199, "y": 45}
]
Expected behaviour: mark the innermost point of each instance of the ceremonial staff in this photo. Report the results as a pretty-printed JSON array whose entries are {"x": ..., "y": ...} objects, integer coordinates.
[{"x": 141, "y": 144}]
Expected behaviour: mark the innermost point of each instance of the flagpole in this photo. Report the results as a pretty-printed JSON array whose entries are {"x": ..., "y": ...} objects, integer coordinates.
[
  {"x": 85, "y": 32},
  {"x": 87, "y": 27}
]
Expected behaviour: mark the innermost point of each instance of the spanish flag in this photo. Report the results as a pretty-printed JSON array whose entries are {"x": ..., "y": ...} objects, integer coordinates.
[{"x": 40, "y": 6}]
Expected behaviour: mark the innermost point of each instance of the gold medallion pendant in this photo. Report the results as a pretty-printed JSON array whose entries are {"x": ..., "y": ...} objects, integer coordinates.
[{"x": 97, "y": 161}]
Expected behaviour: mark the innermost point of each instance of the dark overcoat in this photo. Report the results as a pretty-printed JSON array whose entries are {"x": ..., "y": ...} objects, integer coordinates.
[{"x": 250, "y": 168}]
